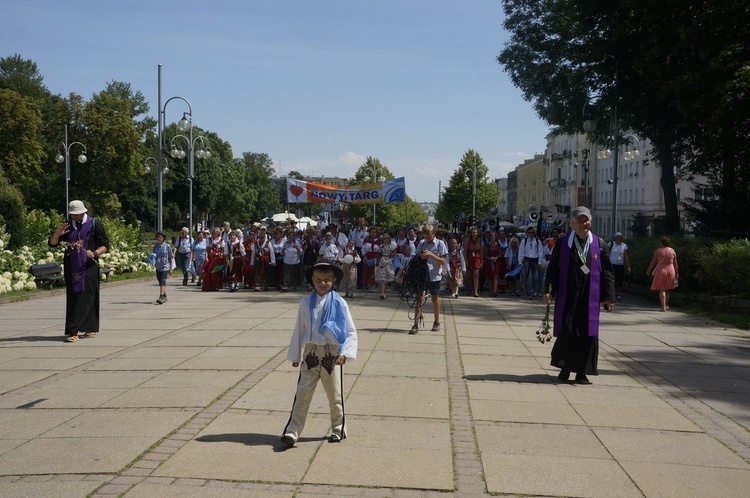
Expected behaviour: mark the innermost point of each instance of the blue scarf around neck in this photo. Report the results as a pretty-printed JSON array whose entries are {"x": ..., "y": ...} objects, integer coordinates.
[{"x": 334, "y": 316}]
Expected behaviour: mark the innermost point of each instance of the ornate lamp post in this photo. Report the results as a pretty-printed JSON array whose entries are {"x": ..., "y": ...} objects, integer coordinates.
[
  {"x": 203, "y": 153},
  {"x": 59, "y": 158},
  {"x": 184, "y": 125}
]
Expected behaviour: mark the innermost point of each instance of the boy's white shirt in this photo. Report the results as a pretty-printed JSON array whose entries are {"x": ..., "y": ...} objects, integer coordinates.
[{"x": 305, "y": 334}]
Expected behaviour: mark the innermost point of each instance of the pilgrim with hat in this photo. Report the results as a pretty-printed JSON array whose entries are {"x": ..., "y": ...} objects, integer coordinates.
[
  {"x": 84, "y": 241},
  {"x": 324, "y": 338}
]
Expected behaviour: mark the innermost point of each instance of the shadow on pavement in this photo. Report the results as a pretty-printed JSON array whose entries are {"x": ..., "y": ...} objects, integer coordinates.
[
  {"x": 252, "y": 439},
  {"x": 525, "y": 379},
  {"x": 34, "y": 338}
]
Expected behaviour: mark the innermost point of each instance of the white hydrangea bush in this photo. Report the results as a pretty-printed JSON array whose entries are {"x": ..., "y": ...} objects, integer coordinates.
[{"x": 15, "y": 265}]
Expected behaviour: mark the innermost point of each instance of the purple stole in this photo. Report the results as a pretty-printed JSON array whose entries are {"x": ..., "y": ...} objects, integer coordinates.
[
  {"x": 594, "y": 284},
  {"x": 78, "y": 259}
]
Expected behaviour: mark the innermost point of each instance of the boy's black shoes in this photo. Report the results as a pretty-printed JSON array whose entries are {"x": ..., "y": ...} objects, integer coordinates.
[
  {"x": 335, "y": 438},
  {"x": 288, "y": 440},
  {"x": 564, "y": 375}
]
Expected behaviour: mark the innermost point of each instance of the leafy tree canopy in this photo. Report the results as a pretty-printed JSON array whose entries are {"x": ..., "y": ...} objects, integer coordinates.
[{"x": 458, "y": 196}]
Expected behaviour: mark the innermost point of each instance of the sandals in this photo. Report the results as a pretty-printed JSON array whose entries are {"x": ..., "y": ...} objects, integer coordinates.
[
  {"x": 71, "y": 338},
  {"x": 89, "y": 334}
]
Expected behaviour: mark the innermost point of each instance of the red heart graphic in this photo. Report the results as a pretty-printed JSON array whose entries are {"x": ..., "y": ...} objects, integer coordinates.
[{"x": 296, "y": 190}]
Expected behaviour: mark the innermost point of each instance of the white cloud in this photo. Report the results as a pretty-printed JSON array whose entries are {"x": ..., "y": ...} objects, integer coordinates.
[{"x": 350, "y": 158}]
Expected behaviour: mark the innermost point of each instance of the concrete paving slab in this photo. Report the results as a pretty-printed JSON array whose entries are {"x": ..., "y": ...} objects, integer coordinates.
[
  {"x": 94, "y": 379},
  {"x": 389, "y": 405},
  {"x": 734, "y": 357},
  {"x": 669, "y": 447},
  {"x": 11, "y": 380},
  {"x": 561, "y": 476},
  {"x": 246, "y": 447},
  {"x": 545, "y": 441},
  {"x": 730, "y": 384},
  {"x": 27, "y": 424},
  {"x": 253, "y": 339},
  {"x": 399, "y": 386},
  {"x": 122, "y": 423},
  {"x": 164, "y": 397},
  {"x": 400, "y": 369},
  {"x": 50, "y": 489},
  {"x": 159, "y": 364},
  {"x": 611, "y": 396},
  {"x": 346, "y": 464},
  {"x": 45, "y": 455},
  {"x": 640, "y": 417},
  {"x": 244, "y": 364},
  {"x": 8, "y": 444},
  {"x": 152, "y": 490},
  {"x": 53, "y": 364},
  {"x": 202, "y": 379},
  {"x": 520, "y": 411},
  {"x": 510, "y": 391},
  {"x": 59, "y": 349},
  {"x": 47, "y": 397},
  {"x": 686, "y": 481},
  {"x": 630, "y": 338},
  {"x": 729, "y": 404},
  {"x": 510, "y": 349},
  {"x": 484, "y": 360},
  {"x": 151, "y": 351}
]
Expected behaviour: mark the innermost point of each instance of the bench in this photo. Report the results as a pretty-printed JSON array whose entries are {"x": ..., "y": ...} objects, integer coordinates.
[{"x": 49, "y": 272}]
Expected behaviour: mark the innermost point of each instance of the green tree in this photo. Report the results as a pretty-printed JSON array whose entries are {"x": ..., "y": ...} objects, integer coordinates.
[
  {"x": 639, "y": 225},
  {"x": 565, "y": 53},
  {"x": 458, "y": 196},
  {"x": 113, "y": 139},
  {"x": 21, "y": 153},
  {"x": 12, "y": 214},
  {"x": 22, "y": 76},
  {"x": 259, "y": 178}
]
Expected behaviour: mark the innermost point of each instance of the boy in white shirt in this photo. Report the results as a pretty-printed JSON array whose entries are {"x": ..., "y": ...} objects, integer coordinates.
[{"x": 325, "y": 332}]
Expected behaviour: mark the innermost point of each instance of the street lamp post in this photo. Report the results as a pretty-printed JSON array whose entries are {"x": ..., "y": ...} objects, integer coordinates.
[
  {"x": 585, "y": 172},
  {"x": 628, "y": 155},
  {"x": 60, "y": 158},
  {"x": 374, "y": 172},
  {"x": 147, "y": 168},
  {"x": 203, "y": 153},
  {"x": 473, "y": 187},
  {"x": 184, "y": 125}
]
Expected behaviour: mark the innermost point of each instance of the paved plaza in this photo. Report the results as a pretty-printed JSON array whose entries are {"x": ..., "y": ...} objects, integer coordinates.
[{"x": 189, "y": 399}]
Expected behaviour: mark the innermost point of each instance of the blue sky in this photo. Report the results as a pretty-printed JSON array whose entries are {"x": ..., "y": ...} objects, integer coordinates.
[{"x": 318, "y": 85}]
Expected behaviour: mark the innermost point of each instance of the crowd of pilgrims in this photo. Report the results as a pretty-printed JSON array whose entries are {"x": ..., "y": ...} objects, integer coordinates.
[{"x": 260, "y": 259}]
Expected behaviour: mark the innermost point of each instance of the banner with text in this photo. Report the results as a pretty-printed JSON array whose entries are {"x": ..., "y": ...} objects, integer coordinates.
[{"x": 319, "y": 193}]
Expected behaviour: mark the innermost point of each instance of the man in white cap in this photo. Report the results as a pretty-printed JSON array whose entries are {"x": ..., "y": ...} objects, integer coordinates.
[{"x": 582, "y": 281}]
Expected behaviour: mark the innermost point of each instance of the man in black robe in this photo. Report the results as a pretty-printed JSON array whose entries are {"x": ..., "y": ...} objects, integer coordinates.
[
  {"x": 581, "y": 279},
  {"x": 85, "y": 240}
]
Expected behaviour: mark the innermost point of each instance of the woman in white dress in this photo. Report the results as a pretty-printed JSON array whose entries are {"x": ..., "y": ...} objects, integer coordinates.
[{"x": 384, "y": 271}]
